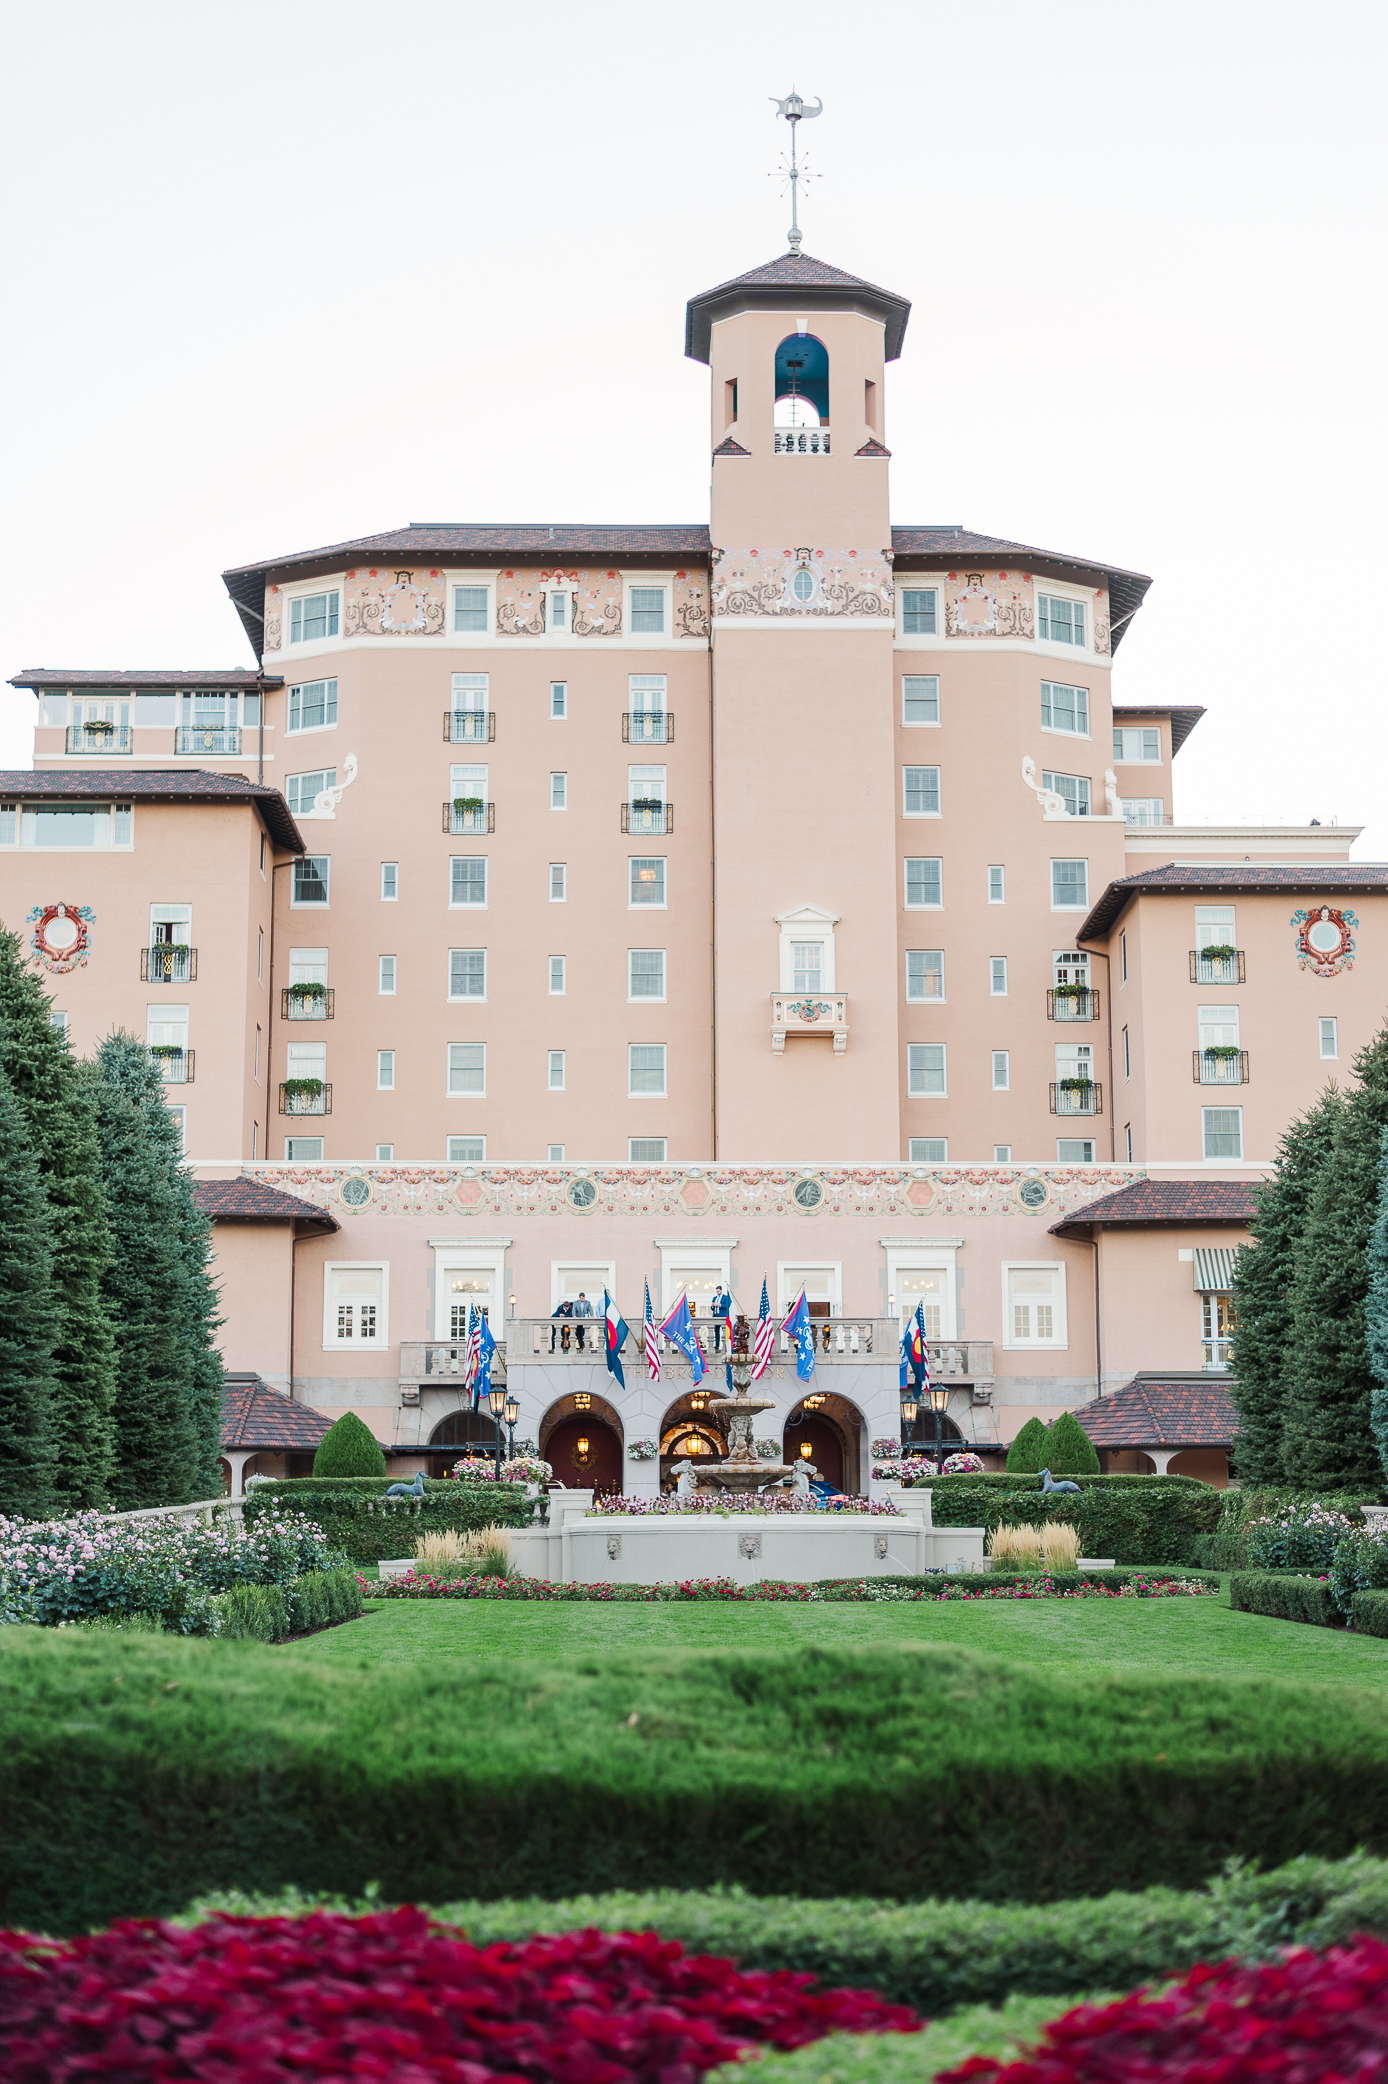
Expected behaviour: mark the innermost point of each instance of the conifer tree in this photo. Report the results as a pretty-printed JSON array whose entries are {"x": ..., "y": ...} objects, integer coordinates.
[
  {"x": 1376, "y": 1314},
  {"x": 59, "y": 1109},
  {"x": 1069, "y": 1449},
  {"x": 1326, "y": 1442},
  {"x": 1262, "y": 1291},
  {"x": 1028, "y": 1452},
  {"x": 349, "y": 1448},
  {"x": 26, "y": 1322}
]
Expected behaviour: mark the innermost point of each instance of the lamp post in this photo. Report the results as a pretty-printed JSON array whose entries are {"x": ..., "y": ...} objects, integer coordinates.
[
  {"x": 939, "y": 1404},
  {"x": 909, "y": 1408},
  {"x": 496, "y": 1399},
  {"x": 512, "y": 1414}
]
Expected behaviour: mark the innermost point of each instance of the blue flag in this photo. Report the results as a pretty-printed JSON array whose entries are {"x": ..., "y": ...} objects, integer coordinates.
[
  {"x": 904, "y": 1375},
  {"x": 615, "y": 1329},
  {"x": 486, "y": 1347},
  {"x": 801, "y": 1329},
  {"x": 678, "y": 1328}
]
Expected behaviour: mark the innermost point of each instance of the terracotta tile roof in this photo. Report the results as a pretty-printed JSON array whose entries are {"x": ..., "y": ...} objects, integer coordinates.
[
  {"x": 731, "y": 448},
  {"x": 873, "y": 448},
  {"x": 254, "y": 1415},
  {"x": 1183, "y": 717},
  {"x": 154, "y": 785},
  {"x": 1189, "y": 879},
  {"x": 1164, "y": 1201},
  {"x": 37, "y": 677},
  {"x": 252, "y": 1201},
  {"x": 926, "y": 549},
  {"x": 779, "y": 281},
  {"x": 1163, "y": 1411}
]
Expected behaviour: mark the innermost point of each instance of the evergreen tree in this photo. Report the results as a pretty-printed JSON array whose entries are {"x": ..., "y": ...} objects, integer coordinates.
[
  {"x": 146, "y": 1289},
  {"x": 1326, "y": 1440},
  {"x": 1070, "y": 1451},
  {"x": 59, "y": 1109},
  {"x": 1376, "y": 1314},
  {"x": 1028, "y": 1453},
  {"x": 1262, "y": 1292},
  {"x": 26, "y": 1322},
  {"x": 349, "y": 1448}
]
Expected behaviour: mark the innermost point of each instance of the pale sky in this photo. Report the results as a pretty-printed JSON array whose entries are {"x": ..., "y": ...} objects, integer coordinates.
[{"x": 284, "y": 274}]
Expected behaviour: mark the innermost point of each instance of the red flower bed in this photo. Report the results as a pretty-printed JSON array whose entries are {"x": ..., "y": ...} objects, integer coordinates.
[
  {"x": 394, "y": 1999},
  {"x": 1306, "y": 2019}
]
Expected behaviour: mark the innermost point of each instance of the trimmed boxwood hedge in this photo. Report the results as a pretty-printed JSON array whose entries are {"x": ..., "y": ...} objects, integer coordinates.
[
  {"x": 356, "y": 1516},
  {"x": 1286, "y": 1595},
  {"x": 142, "y": 1771},
  {"x": 269, "y": 1613},
  {"x": 1134, "y": 1519},
  {"x": 1369, "y": 1613}
]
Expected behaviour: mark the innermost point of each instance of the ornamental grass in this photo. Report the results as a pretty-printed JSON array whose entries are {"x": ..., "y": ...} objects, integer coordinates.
[{"x": 1052, "y": 1547}]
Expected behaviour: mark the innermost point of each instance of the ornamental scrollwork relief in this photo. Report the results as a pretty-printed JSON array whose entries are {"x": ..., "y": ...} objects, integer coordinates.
[{"x": 1325, "y": 940}]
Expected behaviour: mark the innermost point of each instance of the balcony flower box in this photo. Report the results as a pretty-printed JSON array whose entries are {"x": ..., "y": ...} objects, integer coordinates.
[
  {"x": 302, "y": 1088},
  {"x": 1220, "y": 1052},
  {"x": 302, "y": 994},
  {"x": 469, "y": 806},
  {"x": 1076, "y": 1085},
  {"x": 1219, "y": 951}
]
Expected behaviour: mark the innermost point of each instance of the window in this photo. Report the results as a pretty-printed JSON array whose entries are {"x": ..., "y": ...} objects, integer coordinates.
[
  {"x": 385, "y": 1070},
  {"x": 469, "y": 692},
  {"x": 467, "y": 973},
  {"x": 467, "y": 1150},
  {"x": 997, "y": 886},
  {"x": 354, "y": 1305},
  {"x": 925, "y": 1068},
  {"x": 1219, "y": 1027},
  {"x": 386, "y": 980},
  {"x": 1069, "y": 885},
  {"x": 1035, "y": 1311},
  {"x": 918, "y": 616},
  {"x": 558, "y": 976},
  {"x": 1127, "y": 1056},
  {"x": 1074, "y": 1150},
  {"x": 1143, "y": 810},
  {"x": 921, "y": 791},
  {"x": 313, "y": 617},
  {"x": 1216, "y": 1331},
  {"x": 467, "y": 1067},
  {"x": 260, "y": 956},
  {"x": 59, "y": 1021},
  {"x": 1136, "y": 747},
  {"x": 648, "y": 611},
  {"x": 385, "y": 1152},
  {"x": 1001, "y": 1073},
  {"x": 1059, "y": 622},
  {"x": 1002, "y": 1154},
  {"x": 1214, "y": 927},
  {"x": 559, "y": 698},
  {"x": 558, "y": 882},
  {"x": 802, "y": 586},
  {"x": 555, "y": 1153},
  {"x": 390, "y": 882},
  {"x": 645, "y": 1150},
  {"x": 645, "y": 1067},
  {"x": 180, "y": 1122},
  {"x": 645, "y": 973},
  {"x": 923, "y": 885},
  {"x": 807, "y": 966},
  {"x": 1128, "y": 1140},
  {"x": 556, "y": 1070},
  {"x": 1330, "y": 1035},
  {"x": 925, "y": 973},
  {"x": 920, "y": 698},
  {"x": 467, "y": 879},
  {"x": 1064, "y": 708},
  {"x": 300, "y": 790},
  {"x": 557, "y": 620},
  {"x": 255, "y": 1065},
  {"x": 1073, "y": 788},
  {"x": 95, "y": 825},
  {"x": 262, "y": 853},
  {"x": 927, "y": 1150},
  {"x": 9, "y": 824},
  {"x": 308, "y": 965},
  {"x": 997, "y": 976},
  {"x": 1123, "y": 956},
  {"x": 313, "y": 707},
  {"x": 311, "y": 880},
  {"x": 646, "y": 881},
  {"x": 304, "y": 1150},
  {"x": 308, "y": 1060},
  {"x": 1222, "y": 1131},
  {"x": 1070, "y": 966},
  {"x": 469, "y": 608},
  {"x": 559, "y": 792}
]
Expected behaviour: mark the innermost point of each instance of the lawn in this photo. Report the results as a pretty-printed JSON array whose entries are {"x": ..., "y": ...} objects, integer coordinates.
[{"x": 1199, "y": 1636}]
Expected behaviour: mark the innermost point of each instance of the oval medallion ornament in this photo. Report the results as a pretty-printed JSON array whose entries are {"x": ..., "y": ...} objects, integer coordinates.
[
  {"x": 581, "y": 1194},
  {"x": 356, "y": 1192},
  {"x": 61, "y": 936},
  {"x": 808, "y": 1194},
  {"x": 1325, "y": 940},
  {"x": 1033, "y": 1194}
]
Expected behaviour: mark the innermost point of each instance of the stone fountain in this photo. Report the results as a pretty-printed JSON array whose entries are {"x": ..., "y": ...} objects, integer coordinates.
[{"x": 741, "y": 1469}]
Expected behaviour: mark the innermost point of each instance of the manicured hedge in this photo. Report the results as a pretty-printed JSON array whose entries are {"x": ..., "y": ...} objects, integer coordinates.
[
  {"x": 1134, "y": 1519},
  {"x": 355, "y": 1515},
  {"x": 1369, "y": 1613},
  {"x": 1239, "y": 1508},
  {"x": 1286, "y": 1595},
  {"x": 268, "y": 1613},
  {"x": 141, "y": 1771}
]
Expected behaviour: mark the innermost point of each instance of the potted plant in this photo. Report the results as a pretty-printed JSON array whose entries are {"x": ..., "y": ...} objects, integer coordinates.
[
  {"x": 1071, "y": 991},
  {"x": 307, "y": 994},
  {"x": 648, "y": 803},
  {"x": 1221, "y": 1052},
  {"x": 1219, "y": 951},
  {"x": 165, "y": 1050},
  {"x": 1076, "y": 1085},
  {"x": 302, "y": 1088},
  {"x": 466, "y": 806}
]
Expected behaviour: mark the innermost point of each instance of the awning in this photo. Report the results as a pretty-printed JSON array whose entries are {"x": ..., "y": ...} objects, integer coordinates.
[{"x": 1214, "y": 1269}]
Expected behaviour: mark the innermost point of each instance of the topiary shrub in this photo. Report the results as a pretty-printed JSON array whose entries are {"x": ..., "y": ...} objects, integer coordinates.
[
  {"x": 1071, "y": 1452},
  {"x": 1028, "y": 1453},
  {"x": 348, "y": 1448}
]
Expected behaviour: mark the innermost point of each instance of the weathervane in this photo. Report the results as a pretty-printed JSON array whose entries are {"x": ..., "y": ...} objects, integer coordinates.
[{"x": 794, "y": 111}]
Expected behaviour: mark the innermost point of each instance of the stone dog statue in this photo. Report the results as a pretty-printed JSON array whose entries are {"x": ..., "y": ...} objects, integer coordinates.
[
  {"x": 1048, "y": 1486},
  {"x": 408, "y": 1490}
]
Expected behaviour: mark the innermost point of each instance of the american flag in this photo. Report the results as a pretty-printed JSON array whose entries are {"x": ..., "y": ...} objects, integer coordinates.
[
  {"x": 765, "y": 1339},
  {"x": 652, "y": 1350},
  {"x": 474, "y": 1348}
]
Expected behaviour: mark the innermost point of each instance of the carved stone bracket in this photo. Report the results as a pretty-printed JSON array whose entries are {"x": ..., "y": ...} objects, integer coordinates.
[{"x": 326, "y": 801}]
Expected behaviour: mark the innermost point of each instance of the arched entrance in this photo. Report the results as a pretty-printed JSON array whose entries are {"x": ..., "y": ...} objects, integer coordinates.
[
  {"x": 690, "y": 1432},
  {"x": 581, "y": 1439},
  {"x": 831, "y": 1428},
  {"x": 469, "y": 1432}
]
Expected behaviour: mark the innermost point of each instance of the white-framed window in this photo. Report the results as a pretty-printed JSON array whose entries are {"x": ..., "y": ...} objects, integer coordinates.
[
  {"x": 166, "y": 1027},
  {"x": 1218, "y": 1027},
  {"x": 1330, "y": 1035},
  {"x": 1070, "y": 966},
  {"x": 1002, "y": 1073},
  {"x": 385, "y": 1153},
  {"x": 645, "y": 973},
  {"x": 1214, "y": 927},
  {"x": 466, "y": 1150},
  {"x": 925, "y": 1069},
  {"x": 1065, "y": 708},
  {"x": 919, "y": 611},
  {"x": 1123, "y": 955},
  {"x": 920, "y": 792},
  {"x": 467, "y": 1067},
  {"x": 1073, "y": 789},
  {"x": 307, "y": 1060},
  {"x": 807, "y": 967},
  {"x": 468, "y": 783},
  {"x": 558, "y": 616},
  {"x": 1074, "y": 1150},
  {"x": 1074, "y": 1060},
  {"x": 1143, "y": 810},
  {"x": 260, "y": 953},
  {"x": 470, "y": 610},
  {"x": 696, "y": 1269},
  {"x": 647, "y": 611},
  {"x": 1128, "y": 1140},
  {"x": 925, "y": 974},
  {"x": 1059, "y": 621},
  {"x": 58, "y": 1020},
  {"x": 559, "y": 792},
  {"x": 997, "y": 976},
  {"x": 1069, "y": 886},
  {"x": 314, "y": 616},
  {"x": 927, "y": 1150},
  {"x": 98, "y": 826},
  {"x": 645, "y": 879},
  {"x": 559, "y": 698},
  {"x": 1127, "y": 1056},
  {"x": 1033, "y": 1305},
  {"x": 645, "y": 1068},
  {"x": 645, "y": 1150},
  {"x": 647, "y": 721},
  {"x": 924, "y": 884},
  {"x": 1002, "y": 1154},
  {"x": 467, "y": 973},
  {"x": 301, "y": 790},
  {"x": 255, "y": 1069},
  {"x": 313, "y": 706},
  {"x": 304, "y": 1150},
  {"x": 467, "y": 880},
  {"x": 308, "y": 965},
  {"x": 558, "y": 882},
  {"x": 920, "y": 698},
  {"x": 556, "y": 1070},
  {"x": 311, "y": 880},
  {"x": 467, "y": 1277},
  {"x": 385, "y": 984},
  {"x": 997, "y": 884},
  {"x": 355, "y": 1304},
  {"x": 470, "y": 693},
  {"x": 1222, "y": 1132},
  {"x": 558, "y": 976},
  {"x": 1136, "y": 745},
  {"x": 924, "y": 1276},
  {"x": 390, "y": 882},
  {"x": 385, "y": 1070},
  {"x": 554, "y": 1152}
]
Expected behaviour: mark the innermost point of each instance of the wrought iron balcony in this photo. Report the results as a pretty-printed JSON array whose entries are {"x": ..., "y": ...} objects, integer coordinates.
[
  {"x": 1219, "y": 1066},
  {"x": 1077, "y": 1096},
  {"x": 316, "y": 1003},
  {"x": 175, "y": 1066},
  {"x": 1216, "y": 969},
  {"x": 168, "y": 962},
  {"x": 802, "y": 441},
  {"x": 1216, "y": 1356},
  {"x": 305, "y": 1096},
  {"x": 641, "y": 817},
  {"x": 100, "y": 738},
  {"x": 809, "y": 1013},
  {"x": 1072, "y": 1002},
  {"x": 477, "y": 818},
  {"x": 207, "y": 738},
  {"x": 469, "y": 726},
  {"x": 648, "y": 727}
]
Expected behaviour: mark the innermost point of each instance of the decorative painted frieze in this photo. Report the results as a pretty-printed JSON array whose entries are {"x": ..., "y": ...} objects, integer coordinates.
[
  {"x": 818, "y": 584},
  {"x": 274, "y": 618},
  {"x": 395, "y": 601},
  {"x": 690, "y": 616},
  {"x": 989, "y": 604},
  {"x": 1101, "y": 622}
]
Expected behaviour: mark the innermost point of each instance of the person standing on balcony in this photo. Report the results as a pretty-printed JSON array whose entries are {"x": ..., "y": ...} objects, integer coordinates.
[
  {"x": 565, "y": 1309},
  {"x": 582, "y": 1308},
  {"x": 720, "y": 1309}
]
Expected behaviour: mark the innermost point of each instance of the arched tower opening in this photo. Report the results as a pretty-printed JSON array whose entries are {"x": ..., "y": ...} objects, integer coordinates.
[{"x": 801, "y": 374}]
